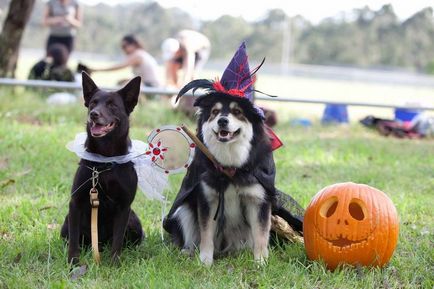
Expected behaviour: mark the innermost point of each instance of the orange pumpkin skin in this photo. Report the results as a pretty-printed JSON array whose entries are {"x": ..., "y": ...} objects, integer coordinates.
[{"x": 352, "y": 224}]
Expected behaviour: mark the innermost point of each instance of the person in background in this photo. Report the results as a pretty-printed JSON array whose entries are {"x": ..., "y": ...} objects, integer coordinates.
[
  {"x": 53, "y": 66},
  {"x": 63, "y": 17},
  {"x": 142, "y": 63},
  {"x": 187, "y": 52}
]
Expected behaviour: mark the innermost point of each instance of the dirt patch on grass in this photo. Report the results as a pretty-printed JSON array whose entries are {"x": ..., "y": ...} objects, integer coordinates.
[
  {"x": 28, "y": 119},
  {"x": 4, "y": 163}
]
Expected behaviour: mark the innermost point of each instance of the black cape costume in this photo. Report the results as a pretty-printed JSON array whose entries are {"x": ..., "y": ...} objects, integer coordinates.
[
  {"x": 284, "y": 206},
  {"x": 237, "y": 81}
]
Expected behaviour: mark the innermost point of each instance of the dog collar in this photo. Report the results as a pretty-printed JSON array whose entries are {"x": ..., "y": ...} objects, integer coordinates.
[
  {"x": 229, "y": 171},
  {"x": 150, "y": 180}
]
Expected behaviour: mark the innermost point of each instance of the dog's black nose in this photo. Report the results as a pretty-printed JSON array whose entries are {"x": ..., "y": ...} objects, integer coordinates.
[
  {"x": 93, "y": 114},
  {"x": 223, "y": 122}
]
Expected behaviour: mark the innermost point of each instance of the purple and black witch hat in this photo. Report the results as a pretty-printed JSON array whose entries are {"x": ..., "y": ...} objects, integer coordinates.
[{"x": 237, "y": 79}]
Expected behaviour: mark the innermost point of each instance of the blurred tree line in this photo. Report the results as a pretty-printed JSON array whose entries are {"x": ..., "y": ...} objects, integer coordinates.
[{"x": 364, "y": 37}]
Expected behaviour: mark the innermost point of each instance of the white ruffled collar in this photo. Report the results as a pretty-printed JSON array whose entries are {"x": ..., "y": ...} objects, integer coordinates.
[
  {"x": 77, "y": 146},
  {"x": 150, "y": 180}
]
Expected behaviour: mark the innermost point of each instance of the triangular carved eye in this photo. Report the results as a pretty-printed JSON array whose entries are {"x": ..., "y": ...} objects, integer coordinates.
[
  {"x": 356, "y": 209},
  {"x": 329, "y": 207}
]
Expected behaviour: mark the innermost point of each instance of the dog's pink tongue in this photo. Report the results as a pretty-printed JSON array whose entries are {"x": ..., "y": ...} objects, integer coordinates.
[
  {"x": 224, "y": 133},
  {"x": 97, "y": 129}
]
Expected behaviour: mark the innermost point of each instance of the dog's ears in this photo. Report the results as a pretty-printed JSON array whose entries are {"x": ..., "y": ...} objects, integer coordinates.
[
  {"x": 130, "y": 93},
  {"x": 89, "y": 87},
  {"x": 199, "y": 101}
]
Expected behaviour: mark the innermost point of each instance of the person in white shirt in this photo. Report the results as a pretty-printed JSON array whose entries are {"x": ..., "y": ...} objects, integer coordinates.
[
  {"x": 141, "y": 62},
  {"x": 187, "y": 52}
]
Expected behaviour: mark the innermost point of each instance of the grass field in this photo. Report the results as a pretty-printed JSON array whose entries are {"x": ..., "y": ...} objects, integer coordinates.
[{"x": 36, "y": 173}]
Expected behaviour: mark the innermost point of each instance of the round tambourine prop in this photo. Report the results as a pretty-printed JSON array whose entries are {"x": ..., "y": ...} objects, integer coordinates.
[{"x": 170, "y": 149}]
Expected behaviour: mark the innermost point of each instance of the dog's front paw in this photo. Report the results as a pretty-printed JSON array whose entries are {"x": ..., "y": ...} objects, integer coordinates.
[
  {"x": 187, "y": 252},
  {"x": 206, "y": 258},
  {"x": 261, "y": 261},
  {"x": 73, "y": 259},
  {"x": 115, "y": 259},
  {"x": 261, "y": 256}
]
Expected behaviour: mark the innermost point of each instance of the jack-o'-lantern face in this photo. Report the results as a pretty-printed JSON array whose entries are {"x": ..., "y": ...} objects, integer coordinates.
[
  {"x": 344, "y": 222},
  {"x": 350, "y": 223}
]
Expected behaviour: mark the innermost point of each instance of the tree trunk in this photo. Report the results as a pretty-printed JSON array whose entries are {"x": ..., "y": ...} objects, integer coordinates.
[{"x": 10, "y": 37}]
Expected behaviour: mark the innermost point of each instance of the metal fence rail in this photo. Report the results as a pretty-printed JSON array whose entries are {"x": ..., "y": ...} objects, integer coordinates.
[
  {"x": 74, "y": 85},
  {"x": 165, "y": 91}
]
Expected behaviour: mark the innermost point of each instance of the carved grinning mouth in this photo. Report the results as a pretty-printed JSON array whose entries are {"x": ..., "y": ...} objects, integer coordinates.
[
  {"x": 100, "y": 130},
  {"x": 344, "y": 242},
  {"x": 225, "y": 135}
]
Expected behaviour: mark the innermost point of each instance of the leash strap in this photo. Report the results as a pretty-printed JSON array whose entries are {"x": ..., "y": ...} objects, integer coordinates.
[{"x": 94, "y": 203}]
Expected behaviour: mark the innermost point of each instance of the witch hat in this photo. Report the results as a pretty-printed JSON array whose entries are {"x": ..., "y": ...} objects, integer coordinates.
[{"x": 237, "y": 79}]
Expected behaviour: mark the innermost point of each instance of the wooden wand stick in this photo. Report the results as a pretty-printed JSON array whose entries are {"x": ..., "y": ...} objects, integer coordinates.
[{"x": 205, "y": 150}]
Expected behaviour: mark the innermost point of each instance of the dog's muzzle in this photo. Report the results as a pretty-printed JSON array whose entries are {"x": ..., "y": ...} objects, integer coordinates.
[
  {"x": 99, "y": 128},
  {"x": 223, "y": 133},
  {"x": 223, "y": 122}
]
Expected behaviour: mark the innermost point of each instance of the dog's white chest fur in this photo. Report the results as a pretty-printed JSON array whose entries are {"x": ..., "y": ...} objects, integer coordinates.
[
  {"x": 239, "y": 202},
  {"x": 232, "y": 154}
]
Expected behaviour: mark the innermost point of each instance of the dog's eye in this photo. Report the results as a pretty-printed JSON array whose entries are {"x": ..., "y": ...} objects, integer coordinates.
[
  {"x": 215, "y": 111},
  {"x": 236, "y": 111}
]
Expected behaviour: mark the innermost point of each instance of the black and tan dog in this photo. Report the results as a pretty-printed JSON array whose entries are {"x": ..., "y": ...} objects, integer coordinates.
[
  {"x": 235, "y": 135},
  {"x": 107, "y": 135},
  {"x": 226, "y": 204}
]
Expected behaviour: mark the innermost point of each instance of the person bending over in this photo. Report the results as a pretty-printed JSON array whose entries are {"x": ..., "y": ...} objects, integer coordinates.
[
  {"x": 187, "y": 52},
  {"x": 142, "y": 63}
]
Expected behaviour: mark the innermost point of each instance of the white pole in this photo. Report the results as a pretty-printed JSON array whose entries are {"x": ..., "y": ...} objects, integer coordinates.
[{"x": 286, "y": 45}]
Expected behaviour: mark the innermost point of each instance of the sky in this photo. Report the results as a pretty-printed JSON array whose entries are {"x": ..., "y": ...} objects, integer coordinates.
[{"x": 313, "y": 10}]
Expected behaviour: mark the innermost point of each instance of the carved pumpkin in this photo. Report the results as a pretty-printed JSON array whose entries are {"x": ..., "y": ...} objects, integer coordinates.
[{"x": 350, "y": 223}]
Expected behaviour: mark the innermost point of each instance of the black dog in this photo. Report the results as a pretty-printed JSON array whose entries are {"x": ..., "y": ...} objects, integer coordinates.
[
  {"x": 82, "y": 67},
  {"x": 107, "y": 135}
]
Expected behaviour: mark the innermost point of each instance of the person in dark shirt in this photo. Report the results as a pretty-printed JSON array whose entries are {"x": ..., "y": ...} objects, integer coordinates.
[
  {"x": 63, "y": 17},
  {"x": 53, "y": 66}
]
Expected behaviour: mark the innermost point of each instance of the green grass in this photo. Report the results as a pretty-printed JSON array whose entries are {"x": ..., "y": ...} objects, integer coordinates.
[{"x": 36, "y": 173}]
